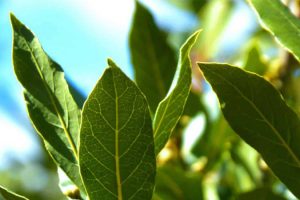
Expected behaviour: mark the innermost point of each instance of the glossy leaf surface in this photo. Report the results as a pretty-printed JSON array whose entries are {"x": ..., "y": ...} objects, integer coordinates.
[
  {"x": 5, "y": 194},
  {"x": 153, "y": 60},
  {"x": 280, "y": 22},
  {"x": 117, "y": 159},
  {"x": 170, "y": 108},
  {"x": 258, "y": 114},
  {"x": 50, "y": 105}
]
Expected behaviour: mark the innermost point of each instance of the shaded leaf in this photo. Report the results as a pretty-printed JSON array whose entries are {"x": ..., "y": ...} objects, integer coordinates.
[
  {"x": 5, "y": 194},
  {"x": 51, "y": 108},
  {"x": 153, "y": 60},
  {"x": 171, "y": 107},
  {"x": 280, "y": 22},
  {"x": 256, "y": 111},
  {"x": 193, "y": 105},
  {"x": 117, "y": 159}
]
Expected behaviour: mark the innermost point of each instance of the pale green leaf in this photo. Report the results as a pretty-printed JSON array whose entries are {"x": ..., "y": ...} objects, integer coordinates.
[
  {"x": 171, "y": 107},
  {"x": 50, "y": 105},
  {"x": 5, "y": 194},
  {"x": 280, "y": 22},
  {"x": 116, "y": 154},
  {"x": 258, "y": 114},
  {"x": 153, "y": 60}
]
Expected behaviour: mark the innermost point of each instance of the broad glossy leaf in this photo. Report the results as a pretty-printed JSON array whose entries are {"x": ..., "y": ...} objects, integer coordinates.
[
  {"x": 258, "y": 114},
  {"x": 153, "y": 60},
  {"x": 171, "y": 107},
  {"x": 280, "y": 22},
  {"x": 116, "y": 154},
  {"x": 51, "y": 108},
  {"x": 5, "y": 194}
]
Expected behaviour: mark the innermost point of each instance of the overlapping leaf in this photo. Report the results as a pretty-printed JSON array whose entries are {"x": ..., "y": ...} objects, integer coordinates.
[
  {"x": 257, "y": 112},
  {"x": 116, "y": 154},
  {"x": 152, "y": 58},
  {"x": 52, "y": 110},
  {"x": 171, "y": 107},
  {"x": 5, "y": 194},
  {"x": 280, "y": 22}
]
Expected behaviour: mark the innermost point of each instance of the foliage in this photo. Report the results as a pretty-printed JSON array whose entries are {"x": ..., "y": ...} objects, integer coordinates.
[{"x": 129, "y": 141}]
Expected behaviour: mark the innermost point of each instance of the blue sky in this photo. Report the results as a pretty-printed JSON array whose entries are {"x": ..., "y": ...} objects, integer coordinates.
[{"x": 80, "y": 36}]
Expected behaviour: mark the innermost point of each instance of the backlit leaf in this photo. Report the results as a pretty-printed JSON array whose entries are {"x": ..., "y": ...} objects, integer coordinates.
[
  {"x": 170, "y": 108},
  {"x": 153, "y": 60},
  {"x": 5, "y": 194},
  {"x": 116, "y": 154},
  {"x": 280, "y": 22},
  {"x": 50, "y": 105},
  {"x": 258, "y": 114}
]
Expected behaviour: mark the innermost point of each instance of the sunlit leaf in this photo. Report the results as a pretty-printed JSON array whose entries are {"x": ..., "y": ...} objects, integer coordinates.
[
  {"x": 5, "y": 194},
  {"x": 117, "y": 159},
  {"x": 280, "y": 22},
  {"x": 170, "y": 108},
  {"x": 51, "y": 108},
  {"x": 153, "y": 60},
  {"x": 256, "y": 111}
]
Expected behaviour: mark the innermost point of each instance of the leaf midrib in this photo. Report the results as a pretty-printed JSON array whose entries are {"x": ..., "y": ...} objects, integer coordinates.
[
  {"x": 262, "y": 116},
  {"x": 117, "y": 159},
  {"x": 67, "y": 133},
  {"x": 155, "y": 67}
]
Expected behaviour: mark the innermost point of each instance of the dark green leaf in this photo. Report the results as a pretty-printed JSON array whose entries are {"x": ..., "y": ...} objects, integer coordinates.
[
  {"x": 280, "y": 22},
  {"x": 52, "y": 110},
  {"x": 5, "y": 194},
  {"x": 256, "y": 111},
  {"x": 170, "y": 108},
  {"x": 117, "y": 159},
  {"x": 153, "y": 60}
]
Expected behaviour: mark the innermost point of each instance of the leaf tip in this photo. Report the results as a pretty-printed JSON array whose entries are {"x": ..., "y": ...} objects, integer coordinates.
[
  {"x": 13, "y": 19},
  {"x": 111, "y": 63}
]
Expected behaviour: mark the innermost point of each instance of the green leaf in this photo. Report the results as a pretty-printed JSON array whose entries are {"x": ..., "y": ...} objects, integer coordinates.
[
  {"x": 117, "y": 159},
  {"x": 5, "y": 194},
  {"x": 254, "y": 62},
  {"x": 153, "y": 60},
  {"x": 52, "y": 110},
  {"x": 258, "y": 114},
  {"x": 276, "y": 18},
  {"x": 174, "y": 183},
  {"x": 171, "y": 107}
]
